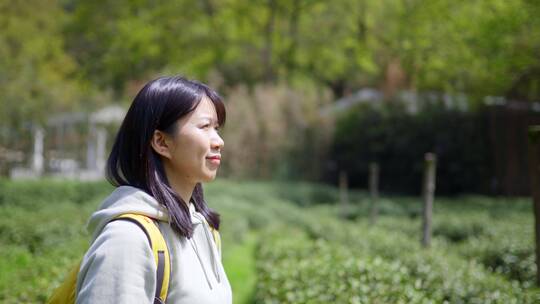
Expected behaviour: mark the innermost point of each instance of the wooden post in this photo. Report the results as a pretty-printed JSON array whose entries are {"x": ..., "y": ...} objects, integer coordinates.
[
  {"x": 343, "y": 191},
  {"x": 101, "y": 141},
  {"x": 91, "y": 147},
  {"x": 430, "y": 168},
  {"x": 37, "y": 155},
  {"x": 534, "y": 166},
  {"x": 374, "y": 190}
]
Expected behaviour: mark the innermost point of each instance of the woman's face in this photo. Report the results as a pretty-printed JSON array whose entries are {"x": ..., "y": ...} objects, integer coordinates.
[{"x": 195, "y": 148}]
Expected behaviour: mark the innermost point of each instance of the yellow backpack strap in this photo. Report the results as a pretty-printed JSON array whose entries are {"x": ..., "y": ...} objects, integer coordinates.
[
  {"x": 65, "y": 293},
  {"x": 217, "y": 238},
  {"x": 215, "y": 234},
  {"x": 160, "y": 250}
]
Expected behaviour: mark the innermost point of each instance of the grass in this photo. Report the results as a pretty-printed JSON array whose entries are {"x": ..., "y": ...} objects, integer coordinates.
[{"x": 239, "y": 263}]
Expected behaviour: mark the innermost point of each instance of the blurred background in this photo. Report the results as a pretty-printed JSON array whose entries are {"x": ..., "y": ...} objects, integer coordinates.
[{"x": 331, "y": 107}]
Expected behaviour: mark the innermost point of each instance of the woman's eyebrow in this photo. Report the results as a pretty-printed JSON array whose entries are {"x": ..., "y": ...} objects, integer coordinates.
[{"x": 209, "y": 118}]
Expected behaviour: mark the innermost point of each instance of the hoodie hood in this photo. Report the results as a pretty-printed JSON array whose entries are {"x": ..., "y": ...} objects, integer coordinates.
[
  {"x": 125, "y": 199},
  {"x": 128, "y": 199}
]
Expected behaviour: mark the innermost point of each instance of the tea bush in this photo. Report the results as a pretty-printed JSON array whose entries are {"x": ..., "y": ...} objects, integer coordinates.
[
  {"x": 307, "y": 251},
  {"x": 38, "y": 247},
  {"x": 294, "y": 268},
  {"x": 40, "y": 193},
  {"x": 506, "y": 248}
]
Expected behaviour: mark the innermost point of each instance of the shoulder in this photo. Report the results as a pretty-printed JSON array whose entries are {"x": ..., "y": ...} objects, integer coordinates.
[
  {"x": 119, "y": 245},
  {"x": 118, "y": 267},
  {"x": 120, "y": 236}
]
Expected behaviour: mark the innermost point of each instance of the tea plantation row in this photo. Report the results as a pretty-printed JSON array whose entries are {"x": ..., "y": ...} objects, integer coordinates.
[
  {"x": 309, "y": 250},
  {"x": 356, "y": 263}
]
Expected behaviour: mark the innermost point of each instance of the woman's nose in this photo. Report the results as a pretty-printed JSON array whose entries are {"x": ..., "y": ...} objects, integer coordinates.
[{"x": 217, "y": 142}]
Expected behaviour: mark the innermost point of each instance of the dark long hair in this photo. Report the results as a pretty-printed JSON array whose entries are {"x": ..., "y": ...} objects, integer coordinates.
[{"x": 133, "y": 162}]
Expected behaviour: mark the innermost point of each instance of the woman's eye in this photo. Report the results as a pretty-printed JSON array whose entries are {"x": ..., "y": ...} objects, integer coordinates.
[{"x": 206, "y": 126}]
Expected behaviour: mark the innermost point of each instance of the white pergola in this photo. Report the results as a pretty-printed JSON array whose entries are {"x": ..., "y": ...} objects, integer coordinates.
[{"x": 67, "y": 167}]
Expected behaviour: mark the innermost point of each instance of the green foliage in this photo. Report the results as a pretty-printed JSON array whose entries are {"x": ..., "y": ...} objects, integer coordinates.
[
  {"x": 239, "y": 264},
  {"x": 40, "y": 193},
  {"x": 482, "y": 251},
  {"x": 515, "y": 261},
  {"x": 38, "y": 75},
  {"x": 495, "y": 233},
  {"x": 306, "y": 194},
  {"x": 298, "y": 270},
  {"x": 54, "y": 53},
  {"x": 39, "y": 245},
  {"x": 398, "y": 140},
  {"x": 457, "y": 230},
  {"x": 505, "y": 248},
  {"x": 440, "y": 274},
  {"x": 483, "y": 49}
]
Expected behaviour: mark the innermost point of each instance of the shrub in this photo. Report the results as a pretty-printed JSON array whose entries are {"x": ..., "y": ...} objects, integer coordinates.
[
  {"x": 456, "y": 229},
  {"x": 506, "y": 249},
  {"x": 39, "y": 193},
  {"x": 295, "y": 269},
  {"x": 398, "y": 141}
]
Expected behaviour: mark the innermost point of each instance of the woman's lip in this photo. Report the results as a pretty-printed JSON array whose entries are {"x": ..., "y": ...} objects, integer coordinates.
[{"x": 214, "y": 161}]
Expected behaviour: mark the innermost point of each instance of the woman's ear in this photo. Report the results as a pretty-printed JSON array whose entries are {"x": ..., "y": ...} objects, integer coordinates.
[{"x": 161, "y": 143}]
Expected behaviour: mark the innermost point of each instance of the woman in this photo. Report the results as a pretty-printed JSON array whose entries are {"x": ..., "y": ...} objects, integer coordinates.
[{"x": 167, "y": 145}]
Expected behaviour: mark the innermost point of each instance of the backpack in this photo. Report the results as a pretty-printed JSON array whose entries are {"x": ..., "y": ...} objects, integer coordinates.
[{"x": 65, "y": 293}]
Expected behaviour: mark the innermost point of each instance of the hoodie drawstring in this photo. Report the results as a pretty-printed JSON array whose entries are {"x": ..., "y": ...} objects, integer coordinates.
[
  {"x": 194, "y": 245},
  {"x": 209, "y": 239},
  {"x": 208, "y": 236}
]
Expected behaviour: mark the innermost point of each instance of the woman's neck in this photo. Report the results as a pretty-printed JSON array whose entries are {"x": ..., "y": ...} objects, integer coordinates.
[
  {"x": 184, "y": 191},
  {"x": 181, "y": 186}
]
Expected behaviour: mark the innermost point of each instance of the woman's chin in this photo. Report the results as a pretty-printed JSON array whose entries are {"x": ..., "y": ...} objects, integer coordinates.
[{"x": 210, "y": 177}]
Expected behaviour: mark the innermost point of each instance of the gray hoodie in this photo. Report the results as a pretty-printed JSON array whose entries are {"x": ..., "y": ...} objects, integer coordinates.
[{"x": 119, "y": 266}]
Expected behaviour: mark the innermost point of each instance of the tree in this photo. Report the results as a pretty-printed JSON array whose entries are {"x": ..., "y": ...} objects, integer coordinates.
[{"x": 38, "y": 76}]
